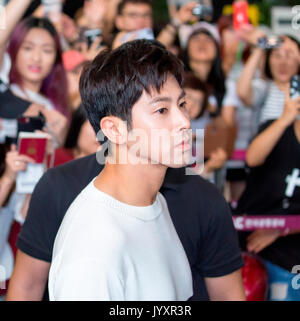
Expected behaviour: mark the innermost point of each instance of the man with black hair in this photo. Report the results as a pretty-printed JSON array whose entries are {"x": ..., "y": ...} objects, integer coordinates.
[
  {"x": 204, "y": 224},
  {"x": 117, "y": 240}
]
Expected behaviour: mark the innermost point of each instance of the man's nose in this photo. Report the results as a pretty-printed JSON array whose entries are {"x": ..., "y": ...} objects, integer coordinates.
[{"x": 182, "y": 119}]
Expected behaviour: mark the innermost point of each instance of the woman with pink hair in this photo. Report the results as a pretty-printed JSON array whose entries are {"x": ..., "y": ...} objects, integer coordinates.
[{"x": 31, "y": 64}]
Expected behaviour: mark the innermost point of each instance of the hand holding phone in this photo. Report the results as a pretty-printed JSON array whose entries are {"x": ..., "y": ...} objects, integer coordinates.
[
  {"x": 292, "y": 103},
  {"x": 33, "y": 146},
  {"x": 90, "y": 35},
  {"x": 203, "y": 11},
  {"x": 240, "y": 14}
]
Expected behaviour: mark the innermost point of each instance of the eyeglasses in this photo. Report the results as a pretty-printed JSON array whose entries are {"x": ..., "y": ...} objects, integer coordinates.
[{"x": 135, "y": 15}]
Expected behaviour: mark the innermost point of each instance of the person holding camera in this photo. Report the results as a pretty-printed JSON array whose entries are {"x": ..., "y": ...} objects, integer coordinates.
[
  {"x": 273, "y": 189},
  {"x": 281, "y": 57}
]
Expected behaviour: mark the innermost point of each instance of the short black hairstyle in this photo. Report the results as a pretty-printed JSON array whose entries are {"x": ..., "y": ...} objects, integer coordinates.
[
  {"x": 123, "y": 3},
  {"x": 79, "y": 117},
  {"x": 267, "y": 68},
  {"x": 114, "y": 81}
]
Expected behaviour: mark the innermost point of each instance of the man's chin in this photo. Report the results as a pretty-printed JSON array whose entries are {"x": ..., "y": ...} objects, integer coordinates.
[{"x": 180, "y": 164}]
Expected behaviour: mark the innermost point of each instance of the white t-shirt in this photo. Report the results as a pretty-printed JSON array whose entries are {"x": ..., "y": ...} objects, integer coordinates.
[{"x": 108, "y": 250}]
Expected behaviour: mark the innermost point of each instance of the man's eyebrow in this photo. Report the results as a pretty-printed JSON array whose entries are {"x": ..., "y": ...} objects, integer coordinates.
[
  {"x": 166, "y": 99},
  {"x": 182, "y": 95}
]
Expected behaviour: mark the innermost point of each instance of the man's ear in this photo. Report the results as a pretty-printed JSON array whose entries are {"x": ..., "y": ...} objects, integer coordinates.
[{"x": 115, "y": 129}]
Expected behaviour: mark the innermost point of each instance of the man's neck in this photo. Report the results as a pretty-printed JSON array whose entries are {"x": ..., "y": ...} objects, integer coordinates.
[{"x": 135, "y": 185}]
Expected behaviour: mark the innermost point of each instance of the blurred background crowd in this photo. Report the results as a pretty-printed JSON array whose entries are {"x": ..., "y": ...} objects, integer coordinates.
[{"x": 240, "y": 57}]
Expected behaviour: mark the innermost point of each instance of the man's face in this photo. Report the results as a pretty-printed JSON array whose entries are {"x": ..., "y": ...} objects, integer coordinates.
[
  {"x": 159, "y": 132},
  {"x": 135, "y": 17}
]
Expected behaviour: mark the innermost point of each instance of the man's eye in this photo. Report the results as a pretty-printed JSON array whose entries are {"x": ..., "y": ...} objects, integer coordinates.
[{"x": 162, "y": 110}]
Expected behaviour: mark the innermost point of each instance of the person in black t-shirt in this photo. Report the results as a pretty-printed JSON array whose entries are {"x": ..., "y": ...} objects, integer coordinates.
[
  {"x": 273, "y": 188},
  {"x": 203, "y": 224}
]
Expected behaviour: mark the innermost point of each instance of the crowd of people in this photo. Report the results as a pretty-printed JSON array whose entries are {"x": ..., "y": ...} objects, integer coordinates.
[{"x": 235, "y": 89}]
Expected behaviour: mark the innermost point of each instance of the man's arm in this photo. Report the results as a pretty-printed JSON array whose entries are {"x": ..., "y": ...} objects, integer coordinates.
[
  {"x": 28, "y": 280},
  {"x": 226, "y": 288}
]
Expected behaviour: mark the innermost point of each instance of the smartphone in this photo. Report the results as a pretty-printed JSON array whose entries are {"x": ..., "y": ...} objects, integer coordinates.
[
  {"x": 91, "y": 35},
  {"x": 52, "y": 9},
  {"x": 295, "y": 87},
  {"x": 31, "y": 124},
  {"x": 240, "y": 14}
]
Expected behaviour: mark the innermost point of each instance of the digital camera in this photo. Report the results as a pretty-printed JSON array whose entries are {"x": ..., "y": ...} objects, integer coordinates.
[
  {"x": 203, "y": 12},
  {"x": 269, "y": 42}
]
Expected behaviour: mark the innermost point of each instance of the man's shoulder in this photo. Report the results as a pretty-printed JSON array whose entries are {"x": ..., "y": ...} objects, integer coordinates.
[{"x": 89, "y": 211}]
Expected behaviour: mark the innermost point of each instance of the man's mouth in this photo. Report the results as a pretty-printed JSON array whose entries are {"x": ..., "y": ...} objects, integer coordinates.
[{"x": 185, "y": 145}]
